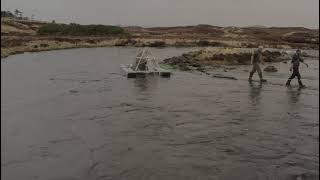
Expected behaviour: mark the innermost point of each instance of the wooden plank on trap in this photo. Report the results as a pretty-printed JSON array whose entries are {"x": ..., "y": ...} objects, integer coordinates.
[{"x": 130, "y": 73}]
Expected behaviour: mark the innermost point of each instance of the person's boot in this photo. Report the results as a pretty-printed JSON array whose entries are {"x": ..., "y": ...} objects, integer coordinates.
[
  {"x": 250, "y": 76},
  {"x": 261, "y": 78},
  {"x": 288, "y": 82},
  {"x": 300, "y": 84}
]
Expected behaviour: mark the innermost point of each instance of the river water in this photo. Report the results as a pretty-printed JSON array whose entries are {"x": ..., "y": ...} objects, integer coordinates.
[{"x": 71, "y": 115}]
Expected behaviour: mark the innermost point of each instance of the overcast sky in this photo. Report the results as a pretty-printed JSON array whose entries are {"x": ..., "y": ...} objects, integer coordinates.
[{"x": 173, "y": 12}]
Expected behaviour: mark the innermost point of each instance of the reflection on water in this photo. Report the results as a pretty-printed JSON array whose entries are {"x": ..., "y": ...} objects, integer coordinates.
[
  {"x": 144, "y": 88},
  {"x": 141, "y": 84},
  {"x": 145, "y": 84},
  {"x": 255, "y": 93},
  {"x": 294, "y": 94}
]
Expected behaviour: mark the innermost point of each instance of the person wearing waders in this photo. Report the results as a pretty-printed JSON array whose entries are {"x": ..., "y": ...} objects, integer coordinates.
[
  {"x": 256, "y": 59},
  {"x": 295, "y": 63}
]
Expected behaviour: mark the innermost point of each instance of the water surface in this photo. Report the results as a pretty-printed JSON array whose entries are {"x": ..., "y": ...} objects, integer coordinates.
[{"x": 71, "y": 115}]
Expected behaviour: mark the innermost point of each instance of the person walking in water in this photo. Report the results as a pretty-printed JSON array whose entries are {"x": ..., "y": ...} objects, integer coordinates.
[
  {"x": 256, "y": 59},
  {"x": 294, "y": 67}
]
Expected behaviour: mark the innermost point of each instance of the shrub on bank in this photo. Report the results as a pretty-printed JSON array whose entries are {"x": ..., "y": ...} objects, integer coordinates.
[
  {"x": 80, "y": 30},
  {"x": 7, "y": 14}
]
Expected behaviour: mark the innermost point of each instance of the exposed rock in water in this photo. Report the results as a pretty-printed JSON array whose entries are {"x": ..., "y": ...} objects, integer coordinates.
[
  {"x": 270, "y": 69},
  {"x": 44, "y": 45},
  {"x": 210, "y": 43},
  {"x": 158, "y": 44},
  {"x": 121, "y": 42},
  {"x": 306, "y": 55},
  {"x": 73, "y": 91},
  {"x": 274, "y": 56},
  {"x": 221, "y": 56},
  {"x": 223, "y": 76}
]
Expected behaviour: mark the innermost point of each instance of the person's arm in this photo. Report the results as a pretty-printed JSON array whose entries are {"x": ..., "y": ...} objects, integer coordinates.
[
  {"x": 302, "y": 61},
  {"x": 291, "y": 64},
  {"x": 251, "y": 59},
  {"x": 262, "y": 60}
]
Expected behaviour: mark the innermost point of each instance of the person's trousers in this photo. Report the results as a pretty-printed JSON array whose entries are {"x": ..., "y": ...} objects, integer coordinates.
[
  {"x": 255, "y": 68},
  {"x": 294, "y": 74}
]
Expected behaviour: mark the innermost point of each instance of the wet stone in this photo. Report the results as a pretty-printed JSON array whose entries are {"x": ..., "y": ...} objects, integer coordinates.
[
  {"x": 270, "y": 69},
  {"x": 73, "y": 91}
]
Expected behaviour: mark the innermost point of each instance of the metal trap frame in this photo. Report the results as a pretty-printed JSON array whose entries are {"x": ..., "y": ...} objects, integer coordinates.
[{"x": 145, "y": 64}]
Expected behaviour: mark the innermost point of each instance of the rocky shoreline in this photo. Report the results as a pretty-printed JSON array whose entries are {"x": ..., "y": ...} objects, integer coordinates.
[
  {"x": 217, "y": 57},
  {"x": 15, "y": 45}
]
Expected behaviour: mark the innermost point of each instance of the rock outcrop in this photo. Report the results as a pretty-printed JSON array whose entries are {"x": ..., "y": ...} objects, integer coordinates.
[{"x": 221, "y": 56}]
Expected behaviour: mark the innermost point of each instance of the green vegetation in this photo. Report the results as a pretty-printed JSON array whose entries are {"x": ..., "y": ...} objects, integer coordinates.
[
  {"x": 80, "y": 30},
  {"x": 16, "y": 15},
  {"x": 168, "y": 66},
  {"x": 7, "y": 14}
]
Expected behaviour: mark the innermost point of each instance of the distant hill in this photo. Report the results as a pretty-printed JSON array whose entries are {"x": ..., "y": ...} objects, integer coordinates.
[
  {"x": 21, "y": 35},
  {"x": 256, "y": 26}
]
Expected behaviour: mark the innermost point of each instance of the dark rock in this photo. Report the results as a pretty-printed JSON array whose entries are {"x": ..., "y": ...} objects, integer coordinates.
[
  {"x": 158, "y": 44},
  {"x": 132, "y": 42},
  {"x": 184, "y": 68},
  {"x": 271, "y": 56},
  {"x": 91, "y": 41},
  {"x": 306, "y": 55},
  {"x": 201, "y": 69},
  {"x": 217, "y": 44},
  {"x": 270, "y": 69},
  {"x": 307, "y": 176},
  {"x": 223, "y": 76},
  {"x": 203, "y": 43},
  {"x": 73, "y": 91},
  {"x": 250, "y": 45},
  {"x": 121, "y": 43},
  {"x": 44, "y": 45}
]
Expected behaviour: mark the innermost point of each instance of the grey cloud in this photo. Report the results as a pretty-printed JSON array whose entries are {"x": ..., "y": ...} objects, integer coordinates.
[{"x": 174, "y": 12}]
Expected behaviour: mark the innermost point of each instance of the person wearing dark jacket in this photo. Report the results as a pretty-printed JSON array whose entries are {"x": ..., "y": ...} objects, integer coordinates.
[{"x": 295, "y": 63}]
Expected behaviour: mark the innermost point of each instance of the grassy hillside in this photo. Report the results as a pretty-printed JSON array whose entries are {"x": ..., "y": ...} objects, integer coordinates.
[{"x": 79, "y": 30}]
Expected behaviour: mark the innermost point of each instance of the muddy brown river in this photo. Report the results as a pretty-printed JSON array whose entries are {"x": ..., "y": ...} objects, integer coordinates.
[{"x": 71, "y": 115}]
